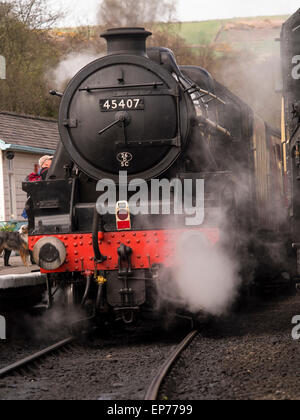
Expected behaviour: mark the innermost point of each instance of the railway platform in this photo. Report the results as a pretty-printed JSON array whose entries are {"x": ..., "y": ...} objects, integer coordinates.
[
  {"x": 17, "y": 267},
  {"x": 19, "y": 284}
]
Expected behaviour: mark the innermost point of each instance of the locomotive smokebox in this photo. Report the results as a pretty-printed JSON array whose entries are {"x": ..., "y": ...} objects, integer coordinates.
[
  {"x": 124, "y": 111},
  {"x": 126, "y": 41}
]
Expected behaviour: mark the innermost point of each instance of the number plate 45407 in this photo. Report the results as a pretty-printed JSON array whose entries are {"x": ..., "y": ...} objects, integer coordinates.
[{"x": 122, "y": 104}]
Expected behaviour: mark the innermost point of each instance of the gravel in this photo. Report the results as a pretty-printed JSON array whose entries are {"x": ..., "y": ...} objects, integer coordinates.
[
  {"x": 111, "y": 368},
  {"x": 250, "y": 355}
]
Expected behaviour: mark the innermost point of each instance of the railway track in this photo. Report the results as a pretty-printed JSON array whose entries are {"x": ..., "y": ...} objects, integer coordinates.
[
  {"x": 27, "y": 361},
  {"x": 248, "y": 355},
  {"x": 153, "y": 390},
  {"x": 151, "y": 393},
  {"x": 103, "y": 363}
]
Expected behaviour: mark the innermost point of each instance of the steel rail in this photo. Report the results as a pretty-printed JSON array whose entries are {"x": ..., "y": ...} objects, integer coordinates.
[
  {"x": 153, "y": 390},
  {"x": 23, "y": 362}
]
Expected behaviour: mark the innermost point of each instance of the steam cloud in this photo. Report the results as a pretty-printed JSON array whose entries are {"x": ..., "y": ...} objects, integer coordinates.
[
  {"x": 71, "y": 65},
  {"x": 206, "y": 276}
]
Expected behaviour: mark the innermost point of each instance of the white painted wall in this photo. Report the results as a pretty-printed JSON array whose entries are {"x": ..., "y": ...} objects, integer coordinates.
[
  {"x": 2, "y": 195},
  {"x": 22, "y": 166}
]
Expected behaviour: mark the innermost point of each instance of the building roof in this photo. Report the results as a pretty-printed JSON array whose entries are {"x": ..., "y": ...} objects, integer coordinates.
[{"x": 24, "y": 132}]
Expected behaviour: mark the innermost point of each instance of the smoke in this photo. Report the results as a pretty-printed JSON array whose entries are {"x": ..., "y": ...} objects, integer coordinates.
[
  {"x": 256, "y": 78},
  {"x": 206, "y": 276},
  {"x": 54, "y": 324},
  {"x": 204, "y": 272},
  {"x": 71, "y": 65}
]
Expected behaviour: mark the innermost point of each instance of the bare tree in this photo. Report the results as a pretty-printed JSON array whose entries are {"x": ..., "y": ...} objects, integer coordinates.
[
  {"x": 135, "y": 12},
  {"x": 35, "y": 14}
]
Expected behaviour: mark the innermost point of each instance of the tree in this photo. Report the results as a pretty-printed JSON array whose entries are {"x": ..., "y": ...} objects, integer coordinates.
[
  {"x": 35, "y": 14},
  {"x": 167, "y": 36},
  {"x": 29, "y": 54},
  {"x": 116, "y": 13}
]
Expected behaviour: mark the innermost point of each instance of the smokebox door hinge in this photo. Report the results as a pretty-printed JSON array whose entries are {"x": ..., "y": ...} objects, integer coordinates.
[{"x": 71, "y": 123}]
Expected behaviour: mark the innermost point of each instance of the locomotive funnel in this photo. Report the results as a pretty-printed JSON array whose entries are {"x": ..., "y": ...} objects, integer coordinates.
[{"x": 126, "y": 41}]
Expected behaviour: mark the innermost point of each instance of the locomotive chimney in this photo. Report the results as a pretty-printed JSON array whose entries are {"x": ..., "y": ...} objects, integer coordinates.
[{"x": 126, "y": 41}]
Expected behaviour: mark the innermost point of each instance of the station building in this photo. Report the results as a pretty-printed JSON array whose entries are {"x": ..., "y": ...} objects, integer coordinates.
[{"x": 23, "y": 141}]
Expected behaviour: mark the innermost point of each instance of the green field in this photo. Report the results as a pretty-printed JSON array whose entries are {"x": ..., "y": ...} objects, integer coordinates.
[
  {"x": 206, "y": 31},
  {"x": 200, "y": 32}
]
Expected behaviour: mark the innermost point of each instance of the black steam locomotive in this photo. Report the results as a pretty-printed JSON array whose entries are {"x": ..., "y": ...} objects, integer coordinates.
[
  {"x": 290, "y": 54},
  {"x": 137, "y": 112}
]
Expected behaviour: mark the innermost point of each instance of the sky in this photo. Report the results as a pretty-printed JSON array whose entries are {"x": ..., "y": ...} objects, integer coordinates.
[{"x": 84, "y": 11}]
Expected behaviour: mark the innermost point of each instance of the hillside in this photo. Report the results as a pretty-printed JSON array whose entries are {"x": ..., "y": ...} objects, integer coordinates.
[
  {"x": 241, "y": 53},
  {"x": 257, "y": 34}
]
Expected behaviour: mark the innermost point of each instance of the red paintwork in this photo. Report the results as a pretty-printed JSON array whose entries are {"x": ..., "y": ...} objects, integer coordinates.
[
  {"x": 149, "y": 247},
  {"x": 121, "y": 225}
]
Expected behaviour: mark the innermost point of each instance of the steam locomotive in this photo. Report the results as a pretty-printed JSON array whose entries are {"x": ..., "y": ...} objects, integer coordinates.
[
  {"x": 290, "y": 54},
  {"x": 137, "y": 113}
]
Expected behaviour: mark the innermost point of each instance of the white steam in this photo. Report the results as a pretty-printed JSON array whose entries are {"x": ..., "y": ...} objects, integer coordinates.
[
  {"x": 206, "y": 276},
  {"x": 71, "y": 65}
]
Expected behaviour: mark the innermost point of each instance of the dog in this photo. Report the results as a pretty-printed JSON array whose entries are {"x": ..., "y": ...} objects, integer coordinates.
[{"x": 16, "y": 241}]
